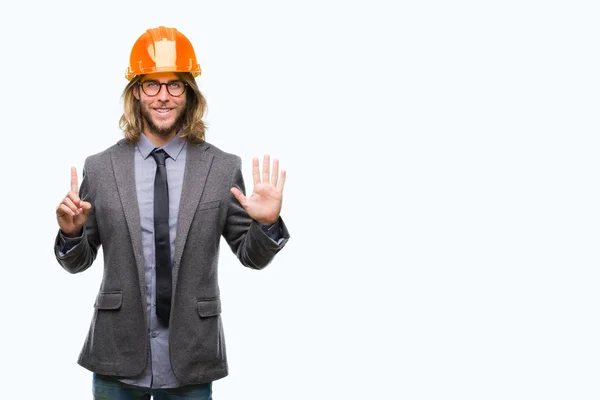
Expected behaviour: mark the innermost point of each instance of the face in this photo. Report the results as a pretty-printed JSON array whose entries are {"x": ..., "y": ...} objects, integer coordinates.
[{"x": 163, "y": 113}]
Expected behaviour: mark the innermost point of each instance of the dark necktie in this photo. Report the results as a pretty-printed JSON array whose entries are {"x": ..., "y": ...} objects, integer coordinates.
[{"x": 162, "y": 242}]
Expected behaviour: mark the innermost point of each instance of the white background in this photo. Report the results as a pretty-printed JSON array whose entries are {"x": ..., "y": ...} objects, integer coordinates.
[{"x": 442, "y": 192}]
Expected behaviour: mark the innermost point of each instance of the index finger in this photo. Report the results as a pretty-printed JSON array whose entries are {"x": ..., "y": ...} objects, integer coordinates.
[{"x": 74, "y": 184}]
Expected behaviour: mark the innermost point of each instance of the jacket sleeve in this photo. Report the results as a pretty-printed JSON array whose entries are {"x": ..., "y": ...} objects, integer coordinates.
[{"x": 248, "y": 241}]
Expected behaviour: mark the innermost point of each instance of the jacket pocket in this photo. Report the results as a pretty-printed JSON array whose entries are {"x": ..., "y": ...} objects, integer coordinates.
[
  {"x": 108, "y": 300},
  {"x": 208, "y": 205},
  {"x": 207, "y": 344},
  {"x": 209, "y": 308}
]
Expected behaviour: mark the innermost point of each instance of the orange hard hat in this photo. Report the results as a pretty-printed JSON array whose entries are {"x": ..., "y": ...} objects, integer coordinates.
[{"x": 162, "y": 49}]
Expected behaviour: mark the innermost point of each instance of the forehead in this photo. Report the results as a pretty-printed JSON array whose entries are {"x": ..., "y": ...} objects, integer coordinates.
[{"x": 157, "y": 76}]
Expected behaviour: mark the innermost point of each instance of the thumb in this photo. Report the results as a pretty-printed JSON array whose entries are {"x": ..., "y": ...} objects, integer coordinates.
[{"x": 239, "y": 196}]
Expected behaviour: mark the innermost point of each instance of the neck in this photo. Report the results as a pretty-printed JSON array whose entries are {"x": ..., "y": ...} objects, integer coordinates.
[{"x": 160, "y": 140}]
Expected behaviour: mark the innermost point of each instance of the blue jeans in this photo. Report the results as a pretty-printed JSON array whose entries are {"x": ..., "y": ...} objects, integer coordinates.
[{"x": 107, "y": 388}]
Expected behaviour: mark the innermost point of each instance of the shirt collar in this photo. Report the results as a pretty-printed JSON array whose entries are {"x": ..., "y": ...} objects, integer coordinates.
[{"x": 173, "y": 148}]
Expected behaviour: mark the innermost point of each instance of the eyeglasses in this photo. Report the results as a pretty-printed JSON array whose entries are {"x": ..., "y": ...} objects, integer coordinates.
[{"x": 152, "y": 88}]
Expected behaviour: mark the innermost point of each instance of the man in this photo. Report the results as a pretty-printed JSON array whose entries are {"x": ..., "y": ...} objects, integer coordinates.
[{"x": 157, "y": 202}]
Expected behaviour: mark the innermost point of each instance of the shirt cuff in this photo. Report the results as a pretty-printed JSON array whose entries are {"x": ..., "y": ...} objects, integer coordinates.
[
  {"x": 66, "y": 243},
  {"x": 273, "y": 231}
]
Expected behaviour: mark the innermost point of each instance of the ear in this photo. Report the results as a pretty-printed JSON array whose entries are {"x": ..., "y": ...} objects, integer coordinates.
[{"x": 136, "y": 92}]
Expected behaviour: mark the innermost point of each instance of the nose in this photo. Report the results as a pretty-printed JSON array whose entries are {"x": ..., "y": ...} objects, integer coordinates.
[{"x": 163, "y": 94}]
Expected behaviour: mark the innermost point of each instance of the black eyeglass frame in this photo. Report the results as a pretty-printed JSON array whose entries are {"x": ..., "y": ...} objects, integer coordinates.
[{"x": 141, "y": 84}]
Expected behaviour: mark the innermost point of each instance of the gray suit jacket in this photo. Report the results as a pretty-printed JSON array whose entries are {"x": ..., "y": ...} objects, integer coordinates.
[{"x": 117, "y": 342}]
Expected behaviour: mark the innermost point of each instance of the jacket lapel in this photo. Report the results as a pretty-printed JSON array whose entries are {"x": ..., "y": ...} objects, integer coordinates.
[
  {"x": 124, "y": 170},
  {"x": 197, "y": 166}
]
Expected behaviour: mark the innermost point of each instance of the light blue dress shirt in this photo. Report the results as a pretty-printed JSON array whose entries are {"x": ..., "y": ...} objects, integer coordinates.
[{"x": 158, "y": 372}]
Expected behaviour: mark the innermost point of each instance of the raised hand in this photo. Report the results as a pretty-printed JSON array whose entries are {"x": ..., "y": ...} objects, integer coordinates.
[
  {"x": 264, "y": 205},
  {"x": 72, "y": 212}
]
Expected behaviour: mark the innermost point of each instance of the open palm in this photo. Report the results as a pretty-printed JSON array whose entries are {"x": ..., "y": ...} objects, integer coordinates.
[{"x": 264, "y": 204}]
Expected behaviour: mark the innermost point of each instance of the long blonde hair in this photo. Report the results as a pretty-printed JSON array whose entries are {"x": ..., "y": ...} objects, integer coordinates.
[{"x": 193, "y": 128}]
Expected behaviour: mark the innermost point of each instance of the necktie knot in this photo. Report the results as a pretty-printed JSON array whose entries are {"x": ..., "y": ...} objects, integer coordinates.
[{"x": 159, "y": 156}]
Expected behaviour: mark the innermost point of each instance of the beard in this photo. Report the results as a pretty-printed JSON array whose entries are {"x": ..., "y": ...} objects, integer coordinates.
[{"x": 164, "y": 131}]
